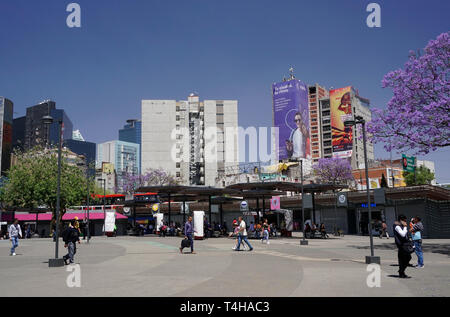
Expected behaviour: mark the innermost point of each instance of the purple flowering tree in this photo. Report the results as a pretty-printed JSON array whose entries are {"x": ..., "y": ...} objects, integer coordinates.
[
  {"x": 153, "y": 177},
  {"x": 417, "y": 117},
  {"x": 333, "y": 171}
]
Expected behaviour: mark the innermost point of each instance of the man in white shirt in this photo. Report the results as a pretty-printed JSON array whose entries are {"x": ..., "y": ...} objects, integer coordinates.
[
  {"x": 401, "y": 239},
  {"x": 242, "y": 235},
  {"x": 14, "y": 233}
]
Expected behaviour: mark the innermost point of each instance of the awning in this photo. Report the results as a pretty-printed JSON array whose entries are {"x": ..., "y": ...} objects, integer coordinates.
[{"x": 66, "y": 217}]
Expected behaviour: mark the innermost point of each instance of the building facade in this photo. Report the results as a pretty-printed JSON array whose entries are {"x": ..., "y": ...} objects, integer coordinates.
[
  {"x": 359, "y": 107},
  {"x": 6, "y": 133},
  {"x": 123, "y": 155},
  {"x": 87, "y": 149},
  {"x": 192, "y": 140},
  {"x": 132, "y": 132},
  {"x": 38, "y": 133},
  {"x": 315, "y": 94}
]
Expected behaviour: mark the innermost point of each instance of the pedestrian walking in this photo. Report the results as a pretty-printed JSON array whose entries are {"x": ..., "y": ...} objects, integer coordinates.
[
  {"x": 416, "y": 233},
  {"x": 405, "y": 248},
  {"x": 242, "y": 236},
  {"x": 70, "y": 237},
  {"x": 266, "y": 229},
  {"x": 188, "y": 235},
  {"x": 236, "y": 234},
  {"x": 383, "y": 230},
  {"x": 14, "y": 232}
]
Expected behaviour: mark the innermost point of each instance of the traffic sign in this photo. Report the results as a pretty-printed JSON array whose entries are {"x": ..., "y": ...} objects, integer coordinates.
[{"x": 408, "y": 163}]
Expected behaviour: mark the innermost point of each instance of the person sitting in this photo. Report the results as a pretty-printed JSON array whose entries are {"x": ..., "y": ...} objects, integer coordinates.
[{"x": 323, "y": 232}]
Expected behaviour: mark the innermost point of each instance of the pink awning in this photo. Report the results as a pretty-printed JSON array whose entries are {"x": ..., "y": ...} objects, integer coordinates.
[{"x": 66, "y": 217}]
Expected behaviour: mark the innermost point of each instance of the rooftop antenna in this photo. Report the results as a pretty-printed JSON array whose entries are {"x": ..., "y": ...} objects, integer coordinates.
[{"x": 291, "y": 72}]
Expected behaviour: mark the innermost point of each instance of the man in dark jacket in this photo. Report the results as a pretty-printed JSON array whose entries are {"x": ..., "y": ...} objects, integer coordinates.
[
  {"x": 70, "y": 238},
  {"x": 188, "y": 233},
  {"x": 401, "y": 238}
]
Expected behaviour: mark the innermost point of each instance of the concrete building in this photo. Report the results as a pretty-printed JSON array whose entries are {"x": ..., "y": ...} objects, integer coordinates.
[
  {"x": 108, "y": 173},
  {"x": 6, "y": 133},
  {"x": 360, "y": 107},
  {"x": 132, "y": 132},
  {"x": 124, "y": 156},
  {"x": 315, "y": 94},
  {"x": 192, "y": 140}
]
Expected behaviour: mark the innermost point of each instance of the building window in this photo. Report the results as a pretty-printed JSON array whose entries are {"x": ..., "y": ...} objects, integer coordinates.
[
  {"x": 178, "y": 165},
  {"x": 178, "y": 118},
  {"x": 178, "y": 174},
  {"x": 327, "y": 128},
  {"x": 326, "y": 113}
]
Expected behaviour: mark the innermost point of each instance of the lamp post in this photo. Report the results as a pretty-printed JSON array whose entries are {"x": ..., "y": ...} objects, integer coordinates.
[
  {"x": 87, "y": 199},
  {"x": 360, "y": 120},
  {"x": 303, "y": 241},
  {"x": 104, "y": 197},
  {"x": 56, "y": 262}
]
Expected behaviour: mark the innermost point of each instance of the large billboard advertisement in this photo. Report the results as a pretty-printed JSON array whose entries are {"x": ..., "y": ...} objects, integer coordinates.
[
  {"x": 341, "y": 110},
  {"x": 291, "y": 117}
]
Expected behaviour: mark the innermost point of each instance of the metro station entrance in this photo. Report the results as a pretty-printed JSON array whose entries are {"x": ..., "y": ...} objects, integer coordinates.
[{"x": 363, "y": 220}]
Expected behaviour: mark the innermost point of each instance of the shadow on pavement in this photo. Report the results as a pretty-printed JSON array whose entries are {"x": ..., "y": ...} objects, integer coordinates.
[{"x": 428, "y": 247}]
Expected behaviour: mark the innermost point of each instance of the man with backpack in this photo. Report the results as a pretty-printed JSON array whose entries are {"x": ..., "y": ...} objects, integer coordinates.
[
  {"x": 70, "y": 238},
  {"x": 188, "y": 232}
]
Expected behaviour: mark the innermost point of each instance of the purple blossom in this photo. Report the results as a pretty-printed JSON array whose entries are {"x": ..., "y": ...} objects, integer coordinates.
[
  {"x": 417, "y": 118},
  {"x": 333, "y": 170}
]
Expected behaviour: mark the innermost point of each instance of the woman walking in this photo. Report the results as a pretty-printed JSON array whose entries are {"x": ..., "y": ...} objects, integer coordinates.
[{"x": 265, "y": 228}]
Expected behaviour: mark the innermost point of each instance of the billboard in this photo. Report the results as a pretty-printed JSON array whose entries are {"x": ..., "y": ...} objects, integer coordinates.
[
  {"x": 340, "y": 111},
  {"x": 291, "y": 117}
]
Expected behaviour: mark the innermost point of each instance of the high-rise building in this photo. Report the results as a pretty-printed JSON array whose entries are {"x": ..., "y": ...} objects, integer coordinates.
[
  {"x": 315, "y": 94},
  {"x": 192, "y": 140},
  {"x": 6, "y": 133},
  {"x": 123, "y": 155},
  {"x": 131, "y": 132},
  {"x": 337, "y": 140},
  {"x": 87, "y": 149},
  {"x": 38, "y": 133},
  {"x": 76, "y": 135},
  {"x": 19, "y": 133}
]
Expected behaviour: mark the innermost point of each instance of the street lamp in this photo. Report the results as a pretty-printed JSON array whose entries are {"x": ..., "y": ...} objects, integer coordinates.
[
  {"x": 56, "y": 262},
  {"x": 360, "y": 120},
  {"x": 87, "y": 199},
  {"x": 303, "y": 241},
  {"x": 104, "y": 197}
]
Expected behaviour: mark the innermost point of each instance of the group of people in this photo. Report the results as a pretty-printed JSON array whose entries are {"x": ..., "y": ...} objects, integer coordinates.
[
  {"x": 312, "y": 229},
  {"x": 259, "y": 230},
  {"x": 70, "y": 236},
  {"x": 408, "y": 239}
]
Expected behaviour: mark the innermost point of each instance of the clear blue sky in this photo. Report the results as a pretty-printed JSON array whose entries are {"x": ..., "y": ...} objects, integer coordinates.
[{"x": 131, "y": 50}]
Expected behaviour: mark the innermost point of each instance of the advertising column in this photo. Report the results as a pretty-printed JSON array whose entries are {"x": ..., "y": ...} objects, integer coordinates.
[{"x": 340, "y": 111}]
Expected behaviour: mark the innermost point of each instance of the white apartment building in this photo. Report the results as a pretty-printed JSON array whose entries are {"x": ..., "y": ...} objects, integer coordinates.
[{"x": 192, "y": 140}]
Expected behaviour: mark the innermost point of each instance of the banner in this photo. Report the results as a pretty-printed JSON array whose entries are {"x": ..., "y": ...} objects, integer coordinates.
[
  {"x": 340, "y": 111},
  {"x": 291, "y": 117}
]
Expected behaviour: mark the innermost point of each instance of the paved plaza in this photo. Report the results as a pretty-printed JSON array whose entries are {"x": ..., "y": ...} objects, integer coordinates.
[{"x": 153, "y": 266}]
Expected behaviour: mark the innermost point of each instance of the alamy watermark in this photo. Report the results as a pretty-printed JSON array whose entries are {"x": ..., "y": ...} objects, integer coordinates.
[
  {"x": 74, "y": 278},
  {"x": 374, "y": 18},
  {"x": 74, "y": 18},
  {"x": 374, "y": 277}
]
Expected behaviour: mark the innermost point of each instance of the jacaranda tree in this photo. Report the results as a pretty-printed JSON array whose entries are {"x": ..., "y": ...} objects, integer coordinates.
[
  {"x": 416, "y": 119},
  {"x": 153, "y": 177},
  {"x": 333, "y": 171}
]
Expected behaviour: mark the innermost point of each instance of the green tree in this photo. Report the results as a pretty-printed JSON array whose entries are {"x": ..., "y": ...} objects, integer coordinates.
[
  {"x": 423, "y": 176},
  {"x": 32, "y": 181}
]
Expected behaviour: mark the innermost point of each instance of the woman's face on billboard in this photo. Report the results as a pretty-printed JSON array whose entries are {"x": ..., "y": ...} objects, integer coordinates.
[{"x": 298, "y": 121}]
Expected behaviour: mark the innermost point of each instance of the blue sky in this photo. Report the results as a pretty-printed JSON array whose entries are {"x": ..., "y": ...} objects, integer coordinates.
[{"x": 131, "y": 50}]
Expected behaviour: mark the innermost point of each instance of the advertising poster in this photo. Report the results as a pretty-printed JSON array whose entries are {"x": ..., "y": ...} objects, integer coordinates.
[
  {"x": 291, "y": 117},
  {"x": 340, "y": 111}
]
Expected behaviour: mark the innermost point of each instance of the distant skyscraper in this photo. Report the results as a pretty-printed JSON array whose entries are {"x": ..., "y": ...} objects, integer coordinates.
[
  {"x": 6, "y": 132},
  {"x": 37, "y": 133},
  {"x": 124, "y": 156},
  {"x": 76, "y": 135},
  {"x": 19, "y": 133},
  {"x": 131, "y": 132},
  {"x": 87, "y": 149}
]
